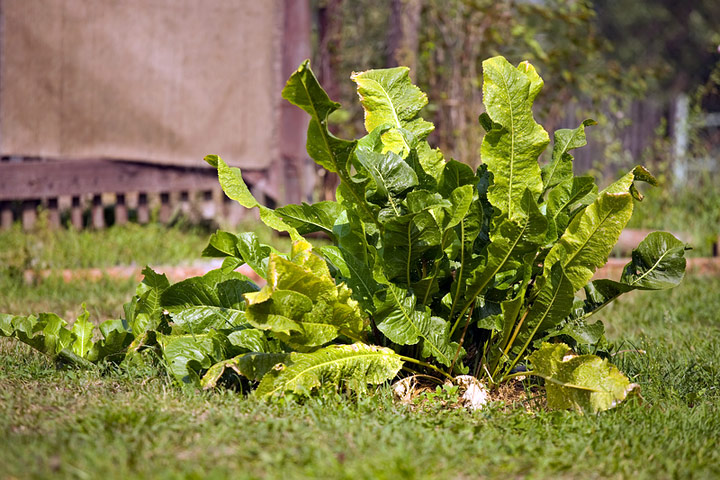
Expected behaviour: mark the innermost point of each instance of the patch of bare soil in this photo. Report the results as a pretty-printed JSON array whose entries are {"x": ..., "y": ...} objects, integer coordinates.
[{"x": 422, "y": 392}]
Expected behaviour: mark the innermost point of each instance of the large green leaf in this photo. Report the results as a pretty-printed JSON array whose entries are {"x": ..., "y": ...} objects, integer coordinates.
[
  {"x": 355, "y": 273},
  {"x": 221, "y": 244},
  {"x": 318, "y": 217},
  {"x": 117, "y": 337},
  {"x": 512, "y": 242},
  {"x": 83, "y": 330},
  {"x": 278, "y": 311},
  {"x": 235, "y": 188},
  {"x": 353, "y": 366},
  {"x": 252, "y": 366},
  {"x": 186, "y": 355},
  {"x": 512, "y": 147},
  {"x": 560, "y": 204},
  {"x": 246, "y": 339},
  {"x": 45, "y": 332},
  {"x": 245, "y": 247},
  {"x": 455, "y": 175},
  {"x": 301, "y": 303},
  {"x": 404, "y": 321},
  {"x": 657, "y": 263},
  {"x": 147, "y": 312},
  {"x": 410, "y": 239},
  {"x": 212, "y": 301},
  {"x": 332, "y": 153},
  {"x": 590, "y": 237},
  {"x": 389, "y": 98},
  {"x": 584, "y": 382},
  {"x": 560, "y": 168},
  {"x": 391, "y": 176},
  {"x": 304, "y": 91}
]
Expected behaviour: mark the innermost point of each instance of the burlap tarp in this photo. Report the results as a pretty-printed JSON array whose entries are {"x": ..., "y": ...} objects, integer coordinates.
[{"x": 166, "y": 81}]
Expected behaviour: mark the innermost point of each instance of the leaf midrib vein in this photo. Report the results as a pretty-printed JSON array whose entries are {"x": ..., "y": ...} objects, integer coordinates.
[
  {"x": 594, "y": 231},
  {"x": 330, "y": 362},
  {"x": 392, "y": 109},
  {"x": 417, "y": 329},
  {"x": 666, "y": 253}
]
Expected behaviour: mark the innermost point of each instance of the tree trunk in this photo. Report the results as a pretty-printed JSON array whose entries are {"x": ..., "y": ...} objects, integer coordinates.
[
  {"x": 403, "y": 33},
  {"x": 293, "y": 121},
  {"x": 329, "y": 48}
]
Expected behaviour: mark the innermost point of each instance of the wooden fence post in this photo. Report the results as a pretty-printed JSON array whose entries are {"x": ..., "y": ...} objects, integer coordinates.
[
  {"x": 121, "y": 212},
  {"x": 165, "y": 209},
  {"x": 98, "y": 213},
  {"x": 143, "y": 209},
  {"x": 293, "y": 121},
  {"x": 6, "y": 215},
  {"x": 53, "y": 213},
  {"x": 76, "y": 214},
  {"x": 29, "y": 213}
]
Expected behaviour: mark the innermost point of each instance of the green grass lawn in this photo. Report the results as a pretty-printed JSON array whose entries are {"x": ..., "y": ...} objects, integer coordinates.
[{"x": 138, "y": 424}]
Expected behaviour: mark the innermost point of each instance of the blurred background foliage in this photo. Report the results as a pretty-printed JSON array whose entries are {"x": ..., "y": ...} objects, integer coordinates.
[
  {"x": 648, "y": 71},
  {"x": 625, "y": 64}
]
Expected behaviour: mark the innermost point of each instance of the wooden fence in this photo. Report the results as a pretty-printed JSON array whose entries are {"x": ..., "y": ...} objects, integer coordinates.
[{"x": 95, "y": 193}]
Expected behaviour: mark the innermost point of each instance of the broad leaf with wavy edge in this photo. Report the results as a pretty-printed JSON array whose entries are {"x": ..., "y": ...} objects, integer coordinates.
[
  {"x": 658, "y": 263},
  {"x": 560, "y": 168},
  {"x": 332, "y": 153},
  {"x": 213, "y": 301},
  {"x": 186, "y": 355},
  {"x": 588, "y": 240},
  {"x": 252, "y": 366},
  {"x": 318, "y": 217},
  {"x": 512, "y": 147},
  {"x": 405, "y": 322},
  {"x": 389, "y": 98},
  {"x": 352, "y": 366},
  {"x": 235, "y": 188},
  {"x": 580, "y": 382},
  {"x": 83, "y": 330},
  {"x": 117, "y": 337},
  {"x": 45, "y": 332},
  {"x": 302, "y": 304}
]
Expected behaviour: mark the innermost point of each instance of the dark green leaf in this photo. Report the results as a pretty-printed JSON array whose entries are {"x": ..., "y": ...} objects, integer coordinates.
[
  {"x": 511, "y": 149},
  {"x": 560, "y": 168},
  {"x": 354, "y": 366}
]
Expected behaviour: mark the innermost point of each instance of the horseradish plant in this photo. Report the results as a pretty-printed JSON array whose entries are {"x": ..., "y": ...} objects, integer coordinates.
[{"x": 434, "y": 267}]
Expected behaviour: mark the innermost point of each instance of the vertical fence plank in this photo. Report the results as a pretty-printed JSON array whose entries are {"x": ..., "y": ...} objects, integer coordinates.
[
  {"x": 29, "y": 213},
  {"x": 53, "y": 213},
  {"x": 185, "y": 207},
  {"x": 121, "y": 212},
  {"x": 143, "y": 209},
  {"x": 97, "y": 212},
  {"x": 6, "y": 215},
  {"x": 165, "y": 208},
  {"x": 76, "y": 214}
]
